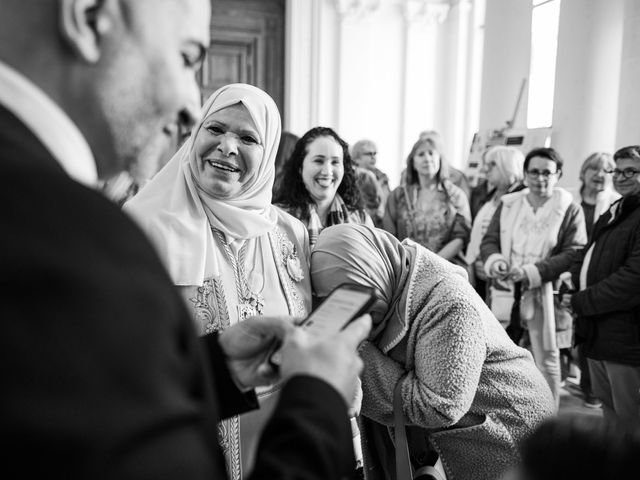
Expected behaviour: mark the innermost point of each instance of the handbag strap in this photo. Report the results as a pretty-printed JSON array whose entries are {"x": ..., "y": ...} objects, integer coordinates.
[{"x": 403, "y": 462}]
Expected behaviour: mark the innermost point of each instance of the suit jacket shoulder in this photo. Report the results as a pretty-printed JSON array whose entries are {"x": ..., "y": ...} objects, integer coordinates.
[{"x": 106, "y": 377}]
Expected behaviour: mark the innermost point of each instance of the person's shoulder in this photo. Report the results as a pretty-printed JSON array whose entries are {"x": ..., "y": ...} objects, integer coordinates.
[
  {"x": 454, "y": 191},
  {"x": 456, "y": 175},
  {"x": 73, "y": 235},
  {"x": 361, "y": 216},
  {"x": 71, "y": 217},
  {"x": 629, "y": 206},
  {"x": 575, "y": 192},
  {"x": 290, "y": 211},
  {"x": 380, "y": 175},
  {"x": 289, "y": 222},
  {"x": 400, "y": 189},
  {"x": 365, "y": 173},
  {"x": 509, "y": 199}
]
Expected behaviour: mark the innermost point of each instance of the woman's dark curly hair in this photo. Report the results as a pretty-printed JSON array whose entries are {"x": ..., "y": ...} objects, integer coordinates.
[{"x": 293, "y": 194}]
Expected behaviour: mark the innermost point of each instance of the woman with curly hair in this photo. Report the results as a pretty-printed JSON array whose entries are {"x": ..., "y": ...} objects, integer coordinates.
[{"x": 319, "y": 183}]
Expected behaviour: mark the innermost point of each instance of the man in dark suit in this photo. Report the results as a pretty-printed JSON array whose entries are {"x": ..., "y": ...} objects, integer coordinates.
[{"x": 102, "y": 374}]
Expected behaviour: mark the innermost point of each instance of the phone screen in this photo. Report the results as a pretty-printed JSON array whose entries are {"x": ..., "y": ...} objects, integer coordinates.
[{"x": 338, "y": 309}]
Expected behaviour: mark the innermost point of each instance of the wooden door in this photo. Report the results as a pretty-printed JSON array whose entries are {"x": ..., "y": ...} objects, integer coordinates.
[{"x": 247, "y": 46}]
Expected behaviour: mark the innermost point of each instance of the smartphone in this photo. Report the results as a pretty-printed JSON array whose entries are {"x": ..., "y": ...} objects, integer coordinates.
[{"x": 345, "y": 303}]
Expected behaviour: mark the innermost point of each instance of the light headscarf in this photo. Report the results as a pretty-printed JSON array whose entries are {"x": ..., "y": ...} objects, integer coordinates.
[
  {"x": 179, "y": 215},
  {"x": 361, "y": 255}
]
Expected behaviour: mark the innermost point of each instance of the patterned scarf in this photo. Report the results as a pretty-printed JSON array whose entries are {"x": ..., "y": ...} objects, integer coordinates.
[{"x": 338, "y": 214}]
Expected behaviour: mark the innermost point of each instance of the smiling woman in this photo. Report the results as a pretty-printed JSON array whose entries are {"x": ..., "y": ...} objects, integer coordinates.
[
  {"x": 319, "y": 183},
  {"x": 532, "y": 238},
  {"x": 428, "y": 208},
  {"x": 232, "y": 253},
  {"x": 228, "y": 152}
]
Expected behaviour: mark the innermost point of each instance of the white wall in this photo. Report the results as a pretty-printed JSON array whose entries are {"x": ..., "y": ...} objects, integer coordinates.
[
  {"x": 628, "y": 132},
  {"x": 587, "y": 81},
  {"x": 507, "y": 42},
  {"x": 372, "y": 69}
]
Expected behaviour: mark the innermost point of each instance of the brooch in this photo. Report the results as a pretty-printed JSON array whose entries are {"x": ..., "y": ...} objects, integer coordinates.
[
  {"x": 293, "y": 266},
  {"x": 290, "y": 258}
]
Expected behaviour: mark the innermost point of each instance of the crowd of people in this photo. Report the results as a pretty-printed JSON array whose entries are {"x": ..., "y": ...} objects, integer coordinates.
[{"x": 155, "y": 335}]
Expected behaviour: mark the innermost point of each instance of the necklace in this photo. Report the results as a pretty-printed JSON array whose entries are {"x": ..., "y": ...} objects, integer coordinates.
[{"x": 251, "y": 303}]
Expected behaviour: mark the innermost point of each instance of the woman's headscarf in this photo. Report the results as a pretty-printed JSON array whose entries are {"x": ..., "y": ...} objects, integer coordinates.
[
  {"x": 361, "y": 255},
  {"x": 179, "y": 215}
]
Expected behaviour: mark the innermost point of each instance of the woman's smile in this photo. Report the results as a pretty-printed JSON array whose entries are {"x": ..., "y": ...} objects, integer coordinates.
[
  {"x": 227, "y": 151},
  {"x": 325, "y": 182},
  {"x": 223, "y": 165}
]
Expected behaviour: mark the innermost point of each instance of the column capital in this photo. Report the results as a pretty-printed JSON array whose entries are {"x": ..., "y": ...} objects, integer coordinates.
[
  {"x": 356, "y": 8},
  {"x": 430, "y": 12}
]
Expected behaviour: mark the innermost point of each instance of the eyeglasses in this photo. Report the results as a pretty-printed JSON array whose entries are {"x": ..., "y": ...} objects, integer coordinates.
[
  {"x": 370, "y": 154},
  {"x": 598, "y": 170},
  {"x": 535, "y": 173},
  {"x": 626, "y": 173}
]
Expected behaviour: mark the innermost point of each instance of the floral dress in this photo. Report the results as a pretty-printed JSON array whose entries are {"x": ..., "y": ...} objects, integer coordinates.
[{"x": 433, "y": 224}]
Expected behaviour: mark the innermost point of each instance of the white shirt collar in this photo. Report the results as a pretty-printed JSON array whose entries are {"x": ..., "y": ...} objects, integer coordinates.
[{"x": 49, "y": 123}]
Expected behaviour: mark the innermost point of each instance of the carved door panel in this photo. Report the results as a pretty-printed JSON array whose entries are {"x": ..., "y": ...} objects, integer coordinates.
[{"x": 247, "y": 45}]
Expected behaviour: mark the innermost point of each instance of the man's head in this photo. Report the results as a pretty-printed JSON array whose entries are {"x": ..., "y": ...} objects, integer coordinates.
[
  {"x": 626, "y": 175},
  {"x": 123, "y": 70},
  {"x": 363, "y": 153}
]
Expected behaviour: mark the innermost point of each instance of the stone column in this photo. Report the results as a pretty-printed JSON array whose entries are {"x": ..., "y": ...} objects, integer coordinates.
[{"x": 585, "y": 113}]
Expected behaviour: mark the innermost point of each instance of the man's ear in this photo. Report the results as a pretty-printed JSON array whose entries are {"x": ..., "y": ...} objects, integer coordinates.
[{"x": 83, "y": 24}]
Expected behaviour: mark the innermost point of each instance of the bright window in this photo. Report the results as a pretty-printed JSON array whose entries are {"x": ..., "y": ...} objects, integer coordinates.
[{"x": 542, "y": 73}]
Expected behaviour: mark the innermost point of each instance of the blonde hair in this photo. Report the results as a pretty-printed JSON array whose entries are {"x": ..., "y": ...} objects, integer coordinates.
[
  {"x": 509, "y": 162},
  {"x": 595, "y": 159}
]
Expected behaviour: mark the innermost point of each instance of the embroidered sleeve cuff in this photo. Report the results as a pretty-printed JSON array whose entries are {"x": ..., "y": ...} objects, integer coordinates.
[{"x": 533, "y": 275}]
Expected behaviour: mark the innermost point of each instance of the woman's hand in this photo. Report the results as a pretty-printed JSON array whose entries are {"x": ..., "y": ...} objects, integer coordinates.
[
  {"x": 518, "y": 274},
  {"x": 566, "y": 300},
  {"x": 334, "y": 359}
]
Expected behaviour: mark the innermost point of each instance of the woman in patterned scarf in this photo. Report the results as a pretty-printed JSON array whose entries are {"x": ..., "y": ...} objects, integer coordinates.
[{"x": 319, "y": 184}]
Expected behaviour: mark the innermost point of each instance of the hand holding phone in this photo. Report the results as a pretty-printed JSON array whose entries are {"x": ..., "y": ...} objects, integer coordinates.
[
  {"x": 333, "y": 359},
  {"x": 345, "y": 303}
]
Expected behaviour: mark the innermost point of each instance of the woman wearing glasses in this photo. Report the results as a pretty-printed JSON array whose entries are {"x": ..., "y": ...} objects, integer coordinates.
[
  {"x": 595, "y": 196},
  {"x": 607, "y": 304},
  {"x": 533, "y": 237},
  {"x": 596, "y": 192}
]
